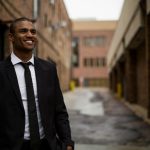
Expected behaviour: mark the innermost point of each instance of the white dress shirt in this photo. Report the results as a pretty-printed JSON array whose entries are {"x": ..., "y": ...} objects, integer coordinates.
[{"x": 21, "y": 81}]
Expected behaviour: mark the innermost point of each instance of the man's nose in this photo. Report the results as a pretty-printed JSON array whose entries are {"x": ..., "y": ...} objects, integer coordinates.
[{"x": 29, "y": 33}]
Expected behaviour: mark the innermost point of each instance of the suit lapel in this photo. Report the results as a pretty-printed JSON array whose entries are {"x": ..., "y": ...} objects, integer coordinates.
[
  {"x": 13, "y": 80},
  {"x": 39, "y": 76}
]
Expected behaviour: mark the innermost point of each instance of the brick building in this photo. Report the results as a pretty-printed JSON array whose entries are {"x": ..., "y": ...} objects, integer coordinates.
[
  {"x": 53, "y": 29},
  {"x": 91, "y": 40},
  {"x": 128, "y": 58}
]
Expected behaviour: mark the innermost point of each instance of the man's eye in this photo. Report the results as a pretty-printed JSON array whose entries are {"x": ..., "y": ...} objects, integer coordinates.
[
  {"x": 23, "y": 30},
  {"x": 33, "y": 31}
]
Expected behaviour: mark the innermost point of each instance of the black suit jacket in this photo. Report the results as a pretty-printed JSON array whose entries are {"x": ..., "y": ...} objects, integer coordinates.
[{"x": 51, "y": 104}]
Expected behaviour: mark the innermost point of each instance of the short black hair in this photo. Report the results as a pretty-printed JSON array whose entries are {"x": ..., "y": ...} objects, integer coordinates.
[{"x": 13, "y": 24}]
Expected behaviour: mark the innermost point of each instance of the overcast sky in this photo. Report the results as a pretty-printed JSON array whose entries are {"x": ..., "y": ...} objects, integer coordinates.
[{"x": 94, "y": 9}]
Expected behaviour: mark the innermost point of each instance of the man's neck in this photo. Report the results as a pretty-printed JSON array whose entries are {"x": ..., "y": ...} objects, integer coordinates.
[{"x": 24, "y": 56}]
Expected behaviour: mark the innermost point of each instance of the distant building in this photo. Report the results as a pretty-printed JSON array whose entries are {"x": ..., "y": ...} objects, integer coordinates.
[
  {"x": 128, "y": 58},
  {"x": 53, "y": 29},
  {"x": 90, "y": 43}
]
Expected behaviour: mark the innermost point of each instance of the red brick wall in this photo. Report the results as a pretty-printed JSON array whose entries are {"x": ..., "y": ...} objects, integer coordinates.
[
  {"x": 53, "y": 43},
  {"x": 91, "y": 52},
  {"x": 12, "y": 9}
]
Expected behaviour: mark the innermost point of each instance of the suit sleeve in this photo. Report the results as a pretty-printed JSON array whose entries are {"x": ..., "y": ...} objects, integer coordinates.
[{"x": 62, "y": 118}]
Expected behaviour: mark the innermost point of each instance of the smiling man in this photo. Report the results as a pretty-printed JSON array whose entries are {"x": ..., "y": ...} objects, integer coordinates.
[
  {"x": 23, "y": 36},
  {"x": 33, "y": 114}
]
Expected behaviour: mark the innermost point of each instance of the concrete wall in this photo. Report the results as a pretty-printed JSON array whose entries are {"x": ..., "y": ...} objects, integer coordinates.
[
  {"x": 130, "y": 50},
  {"x": 128, "y": 13}
]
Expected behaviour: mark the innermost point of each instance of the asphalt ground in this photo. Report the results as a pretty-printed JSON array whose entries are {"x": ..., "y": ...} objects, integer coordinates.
[{"x": 100, "y": 122}]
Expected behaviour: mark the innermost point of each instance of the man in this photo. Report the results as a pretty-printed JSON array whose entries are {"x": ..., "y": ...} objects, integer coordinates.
[{"x": 33, "y": 115}]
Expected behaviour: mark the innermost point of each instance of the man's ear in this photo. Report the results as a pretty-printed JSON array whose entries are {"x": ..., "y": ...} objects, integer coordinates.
[{"x": 11, "y": 37}]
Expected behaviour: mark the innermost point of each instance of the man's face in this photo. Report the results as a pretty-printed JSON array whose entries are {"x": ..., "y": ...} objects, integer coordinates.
[{"x": 24, "y": 38}]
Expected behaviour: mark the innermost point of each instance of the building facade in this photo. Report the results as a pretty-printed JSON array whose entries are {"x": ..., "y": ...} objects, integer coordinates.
[
  {"x": 128, "y": 58},
  {"x": 91, "y": 40},
  {"x": 54, "y": 31}
]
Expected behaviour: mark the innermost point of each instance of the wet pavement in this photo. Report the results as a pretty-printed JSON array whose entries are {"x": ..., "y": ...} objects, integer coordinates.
[{"x": 100, "y": 122}]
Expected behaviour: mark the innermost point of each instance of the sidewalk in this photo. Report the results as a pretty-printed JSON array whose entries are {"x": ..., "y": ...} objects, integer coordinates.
[
  {"x": 138, "y": 110},
  {"x": 101, "y": 147}
]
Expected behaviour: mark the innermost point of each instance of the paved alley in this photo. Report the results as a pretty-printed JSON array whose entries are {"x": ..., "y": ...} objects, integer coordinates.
[{"x": 100, "y": 122}]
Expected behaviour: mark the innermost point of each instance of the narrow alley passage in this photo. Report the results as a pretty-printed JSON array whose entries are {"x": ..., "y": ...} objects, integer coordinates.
[{"x": 100, "y": 122}]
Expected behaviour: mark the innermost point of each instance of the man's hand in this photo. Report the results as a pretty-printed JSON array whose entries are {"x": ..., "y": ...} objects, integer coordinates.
[{"x": 69, "y": 148}]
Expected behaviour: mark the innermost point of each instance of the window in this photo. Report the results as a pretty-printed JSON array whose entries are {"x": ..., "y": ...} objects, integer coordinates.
[
  {"x": 52, "y": 2},
  {"x": 96, "y": 82},
  {"x": 100, "y": 62},
  {"x": 45, "y": 20},
  {"x": 75, "y": 42},
  {"x": 94, "y": 41},
  {"x": 36, "y": 8},
  {"x": 88, "y": 62},
  {"x": 94, "y": 62},
  {"x": 75, "y": 53}
]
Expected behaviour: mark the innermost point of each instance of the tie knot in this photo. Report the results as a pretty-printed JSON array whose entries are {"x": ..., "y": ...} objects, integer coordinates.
[{"x": 25, "y": 65}]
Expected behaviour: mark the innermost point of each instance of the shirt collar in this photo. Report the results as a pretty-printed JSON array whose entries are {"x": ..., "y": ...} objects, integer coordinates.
[{"x": 15, "y": 60}]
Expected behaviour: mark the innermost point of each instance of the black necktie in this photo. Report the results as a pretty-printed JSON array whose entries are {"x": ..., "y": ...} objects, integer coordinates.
[{"x": 33, "y": 120}]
